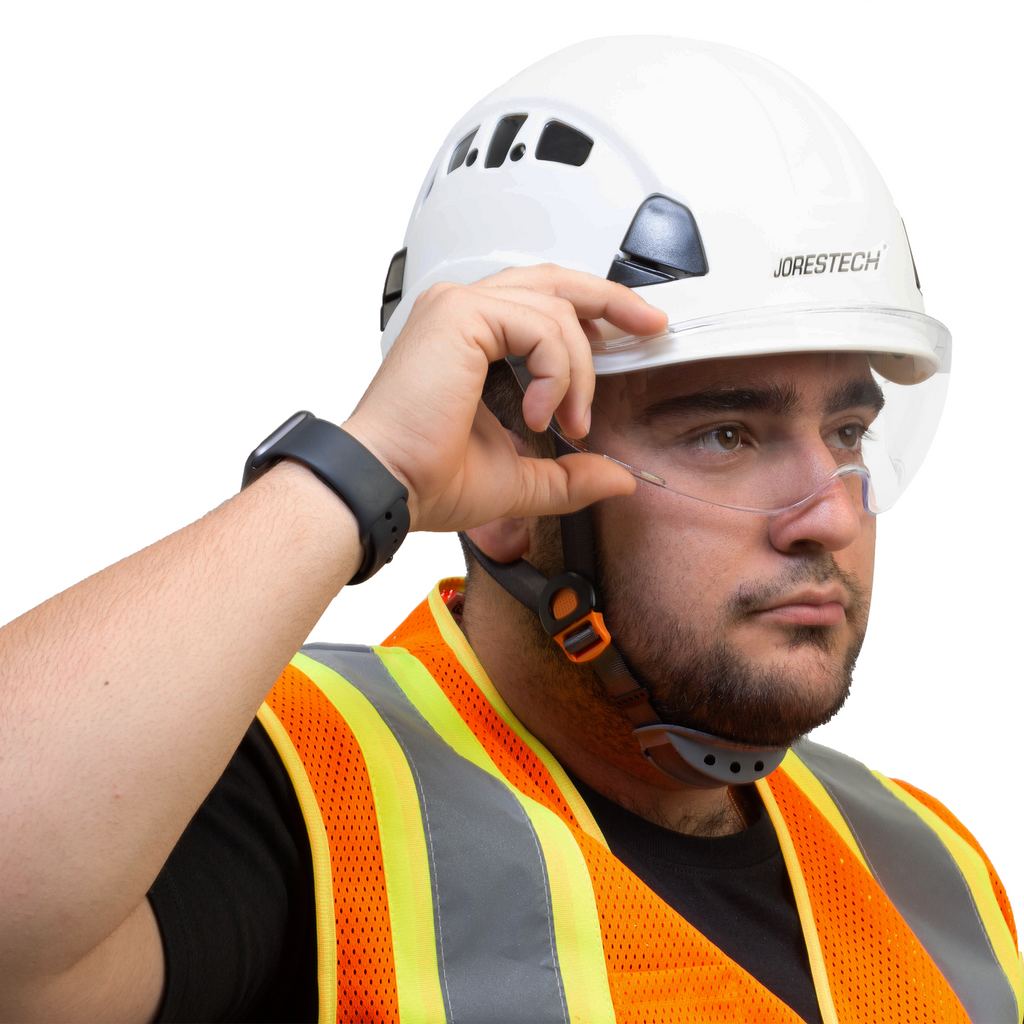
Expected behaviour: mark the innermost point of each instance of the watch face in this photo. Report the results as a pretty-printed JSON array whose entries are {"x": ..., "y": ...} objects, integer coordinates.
[{"x": 285, "y": 428}]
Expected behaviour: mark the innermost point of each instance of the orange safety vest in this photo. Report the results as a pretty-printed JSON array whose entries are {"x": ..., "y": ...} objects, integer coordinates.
[{"x": 460, "y": 877}]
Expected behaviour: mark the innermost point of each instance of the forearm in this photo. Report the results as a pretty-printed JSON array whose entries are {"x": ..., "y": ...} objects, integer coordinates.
[{"x": 122, "y": 699}]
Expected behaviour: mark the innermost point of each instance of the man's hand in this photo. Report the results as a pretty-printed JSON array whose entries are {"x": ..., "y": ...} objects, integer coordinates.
[{"x": 422, "y": 414}]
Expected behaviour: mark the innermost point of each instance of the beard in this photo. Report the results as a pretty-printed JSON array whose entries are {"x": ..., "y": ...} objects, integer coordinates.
[{"x": 697, "y": 679}]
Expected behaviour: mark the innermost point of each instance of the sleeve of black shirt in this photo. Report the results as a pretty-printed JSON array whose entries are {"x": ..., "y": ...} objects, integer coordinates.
[{"x": 234, "y": 902}]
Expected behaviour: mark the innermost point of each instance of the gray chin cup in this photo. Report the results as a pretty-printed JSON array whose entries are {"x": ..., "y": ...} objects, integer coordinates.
[{"x": 707, "y": 761}]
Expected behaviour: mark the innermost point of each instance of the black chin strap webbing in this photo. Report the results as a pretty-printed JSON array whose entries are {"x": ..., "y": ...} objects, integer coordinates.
[
  {"x": 572, "y": 631},
  {"x": 686, "y": 755},
  {"x": 578, "y": 557}
]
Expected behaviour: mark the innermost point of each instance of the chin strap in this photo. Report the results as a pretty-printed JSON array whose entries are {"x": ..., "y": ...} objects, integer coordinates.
[{"x": 566, "y": 605}]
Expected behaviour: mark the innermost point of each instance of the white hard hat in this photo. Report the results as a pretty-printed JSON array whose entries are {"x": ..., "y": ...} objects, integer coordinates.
[
  {"x": 715, "y": 181},
  {"x": 699, "y": 167}
]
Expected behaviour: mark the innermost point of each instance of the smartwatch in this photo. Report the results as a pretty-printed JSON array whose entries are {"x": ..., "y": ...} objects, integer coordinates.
[{"x": 377, "y": 500}]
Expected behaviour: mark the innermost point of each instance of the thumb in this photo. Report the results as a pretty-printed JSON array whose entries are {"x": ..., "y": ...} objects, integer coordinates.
[{"x": 558, "y": 486}]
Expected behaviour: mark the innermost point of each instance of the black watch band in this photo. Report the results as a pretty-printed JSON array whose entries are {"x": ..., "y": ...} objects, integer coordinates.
[{"x": 377, "y": 500}]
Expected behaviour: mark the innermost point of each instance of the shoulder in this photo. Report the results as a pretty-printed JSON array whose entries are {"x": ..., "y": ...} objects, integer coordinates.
[
  {"x": 944, "y": 815},
  {"x": 878, "y": 808}
]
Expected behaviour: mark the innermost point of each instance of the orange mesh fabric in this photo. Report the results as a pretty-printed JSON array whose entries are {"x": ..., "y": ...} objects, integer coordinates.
[
  {"x": 960, "y": 829},
  {"x": 419, "y": 635},
  {"x": 876, "y": 967},
  {"x": 338, "y": 775},
  {"x": 660, "y": 967}
]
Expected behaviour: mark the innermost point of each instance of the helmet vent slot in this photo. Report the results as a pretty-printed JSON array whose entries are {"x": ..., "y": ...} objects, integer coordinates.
[
  {"x": 563, "y": 144},
  {"x": 462, "y": 151},
  {"x": 501, "y": 141}
]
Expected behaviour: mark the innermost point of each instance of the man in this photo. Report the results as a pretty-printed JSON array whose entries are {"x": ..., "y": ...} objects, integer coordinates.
[{"x": 555, "y": 795}]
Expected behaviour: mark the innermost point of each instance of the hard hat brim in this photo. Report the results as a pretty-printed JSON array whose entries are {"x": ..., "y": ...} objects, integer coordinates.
[{"x": 904, "y": 346}]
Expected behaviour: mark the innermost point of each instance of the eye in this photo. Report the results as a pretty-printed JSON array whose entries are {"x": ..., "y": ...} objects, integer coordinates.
[
  {"x": 849, "y": 436},
  {"x": 722, "y": 439}
]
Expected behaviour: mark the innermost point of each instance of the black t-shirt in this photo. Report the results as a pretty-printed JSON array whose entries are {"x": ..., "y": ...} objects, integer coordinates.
[
  {"x": 734, "y": 889},
  {"x": 234, "y": 901}
]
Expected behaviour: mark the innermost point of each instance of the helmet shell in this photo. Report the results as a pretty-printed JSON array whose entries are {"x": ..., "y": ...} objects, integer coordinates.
[{"x": 791, "y": 211}]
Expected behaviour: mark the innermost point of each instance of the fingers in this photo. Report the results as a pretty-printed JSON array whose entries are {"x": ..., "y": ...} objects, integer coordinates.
[
  {"x": 575, "y": 299},
  {"x": 565, "y": 386},
  {"x": 593, "y": 297},
  {"x": 536, "y": 312},
  {"x": 497, "y": 322}
]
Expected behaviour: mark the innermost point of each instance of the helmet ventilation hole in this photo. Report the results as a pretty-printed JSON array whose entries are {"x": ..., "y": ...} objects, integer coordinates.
[
  {"x": 504, "y": 135},
  {"x": 462, "y": 150},
  {"x": 563, "y": 144}
]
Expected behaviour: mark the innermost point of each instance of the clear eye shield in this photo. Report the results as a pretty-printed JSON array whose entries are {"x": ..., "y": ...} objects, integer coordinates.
[{"x": 803, "y": 402}]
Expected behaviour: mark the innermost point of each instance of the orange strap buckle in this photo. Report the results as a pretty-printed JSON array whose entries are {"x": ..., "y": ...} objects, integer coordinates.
[{"x": 585, "y": 639}]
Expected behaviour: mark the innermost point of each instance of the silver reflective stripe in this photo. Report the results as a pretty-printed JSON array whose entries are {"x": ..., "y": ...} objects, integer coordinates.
[
  {"x": 492, "y": 905},
  {"x": 922, "y": 880}
]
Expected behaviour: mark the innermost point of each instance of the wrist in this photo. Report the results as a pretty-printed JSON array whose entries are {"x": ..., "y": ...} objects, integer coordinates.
[
  {"x": 374, "y": 495},
  {"x": 302, "y": 521},
  {"x": 371, "y": 440}
]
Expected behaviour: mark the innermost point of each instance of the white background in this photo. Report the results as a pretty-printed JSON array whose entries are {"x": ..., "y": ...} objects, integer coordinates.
[{"x": 198, "y": 203}]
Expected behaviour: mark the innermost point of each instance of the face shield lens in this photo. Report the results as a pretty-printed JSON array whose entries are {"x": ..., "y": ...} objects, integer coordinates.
[{"x": 767, "y": 433}]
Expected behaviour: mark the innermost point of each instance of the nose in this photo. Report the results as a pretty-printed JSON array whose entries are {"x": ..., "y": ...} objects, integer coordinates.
[{"x": 829, "y": 521}]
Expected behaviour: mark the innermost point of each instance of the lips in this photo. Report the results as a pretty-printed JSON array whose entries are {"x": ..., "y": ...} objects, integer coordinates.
[{"x": 817, "y": 607}]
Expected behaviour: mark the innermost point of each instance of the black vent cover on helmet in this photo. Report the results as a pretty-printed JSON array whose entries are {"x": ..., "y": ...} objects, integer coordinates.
[
  {"x": 393, "y": 287},
  {"x": 502, "y": 139},
  {"x": 462, "y": 151},
  {"x": 563, "y": 144},
  {"x": 662, "y": 244}
]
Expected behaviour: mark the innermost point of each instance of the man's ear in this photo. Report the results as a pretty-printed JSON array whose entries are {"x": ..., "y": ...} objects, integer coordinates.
[{"x": 504, "y": 540}]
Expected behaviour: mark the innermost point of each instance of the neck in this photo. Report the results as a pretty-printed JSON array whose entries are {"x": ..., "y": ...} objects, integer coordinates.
[{"x": 565, "y": 707}]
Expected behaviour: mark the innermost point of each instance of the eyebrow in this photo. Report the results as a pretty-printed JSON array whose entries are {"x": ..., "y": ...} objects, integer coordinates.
[
  {"x": 862, "y": 391},
  {"x": 778, "y": 399}
]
